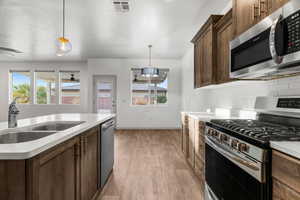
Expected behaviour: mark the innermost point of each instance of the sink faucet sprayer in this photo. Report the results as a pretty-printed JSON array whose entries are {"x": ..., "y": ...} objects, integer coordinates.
[{"x": 12, "y": 114}]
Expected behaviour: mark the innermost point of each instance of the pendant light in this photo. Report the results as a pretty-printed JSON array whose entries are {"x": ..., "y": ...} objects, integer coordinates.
[
  {"x": 72, "y": 77},
  {"x": 63, "y": 44},
  {"x": 150, "y": 71}
]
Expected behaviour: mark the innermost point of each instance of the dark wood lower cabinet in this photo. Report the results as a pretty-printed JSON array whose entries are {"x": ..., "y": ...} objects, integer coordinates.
[
  {"x": 89, "y": 164},
  {"x": 194, "y": 148},
  {"x": 68, "y": 171},
  {"x": 12, "y": 180},
  {"x": 283, "y": 192},
  {"x": 55, "y": 174},
  {"x": 285, "y": 176}
]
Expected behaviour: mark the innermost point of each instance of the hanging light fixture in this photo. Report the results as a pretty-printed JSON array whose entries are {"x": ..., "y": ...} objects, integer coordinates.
[
  {"x": 63, "y": 44},
  {"x": 150, "y": 71},
  {"x": 72, "y": 77}
]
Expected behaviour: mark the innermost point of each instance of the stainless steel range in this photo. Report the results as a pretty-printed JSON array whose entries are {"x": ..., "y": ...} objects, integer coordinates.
[{"x": 238, "y": 152}]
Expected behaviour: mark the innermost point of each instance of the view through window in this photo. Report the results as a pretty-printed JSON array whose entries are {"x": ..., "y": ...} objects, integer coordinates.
[
  {"x": 45, "y": 87},
  {"x": 20, "y": 86},
  {"x": 70, "y": 87},
  {"x": 149, "y": 90}
]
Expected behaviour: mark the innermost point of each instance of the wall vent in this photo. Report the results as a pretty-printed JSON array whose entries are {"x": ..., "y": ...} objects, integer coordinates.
[{"x": 121, "y": 5}]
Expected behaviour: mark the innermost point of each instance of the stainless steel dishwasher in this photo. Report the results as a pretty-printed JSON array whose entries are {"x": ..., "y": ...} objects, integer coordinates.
[{"x": 107, "y": 150}]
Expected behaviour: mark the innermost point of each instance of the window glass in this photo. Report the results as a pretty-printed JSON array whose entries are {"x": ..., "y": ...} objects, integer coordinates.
[
  {"x": 70, "y": 87},
  {"x": 149, "y": 90},
  {"x": 21, "y": 86},
  {"x": 45, "y": 87}
]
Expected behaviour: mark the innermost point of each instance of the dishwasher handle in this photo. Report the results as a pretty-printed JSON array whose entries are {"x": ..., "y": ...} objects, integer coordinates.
[{"x": 108, "y": 124}]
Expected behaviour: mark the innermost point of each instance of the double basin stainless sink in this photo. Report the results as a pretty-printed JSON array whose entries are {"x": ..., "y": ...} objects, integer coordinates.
[{"x": 35, "y": 132}]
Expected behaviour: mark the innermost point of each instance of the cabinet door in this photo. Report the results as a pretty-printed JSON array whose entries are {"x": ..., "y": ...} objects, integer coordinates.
[
  {"x": 245, "y": 15},
  {"x": 89, "y": 164},
  {"x": 283, "y": 192},
  {"x": 197, "y": 63},
  {"x": 207, "y": 70},
  {"x": 199, "y": 140},
  {"x": 224, "y": 36},
  {"x": 185, "y": 141},
  {"x": 55, "y": 173},
  {"x": 12, "y": 180},
  {"x": 191, "y": 146},
  {"x": 273, "y": 5}
]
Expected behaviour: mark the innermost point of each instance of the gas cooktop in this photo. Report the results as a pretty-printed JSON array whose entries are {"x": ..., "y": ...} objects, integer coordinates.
[{"x": 259, "y": 130}]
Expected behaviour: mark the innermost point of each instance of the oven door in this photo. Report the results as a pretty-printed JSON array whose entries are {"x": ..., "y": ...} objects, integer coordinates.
[{"x": 227, "y": 179}]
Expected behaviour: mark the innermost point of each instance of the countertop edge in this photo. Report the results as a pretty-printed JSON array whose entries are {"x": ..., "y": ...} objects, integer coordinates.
[
  {"x": 289, "y": 148},
  {"x": 30, "y": 154}
]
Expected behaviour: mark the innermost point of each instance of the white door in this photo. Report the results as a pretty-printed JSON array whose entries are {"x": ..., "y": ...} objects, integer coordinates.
[{"x": 104, "y": 94}]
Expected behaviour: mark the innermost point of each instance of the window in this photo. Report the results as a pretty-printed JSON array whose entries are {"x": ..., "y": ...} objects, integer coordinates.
[
  {"x": 45, "y": 92},
  {"x": 149, "y": 90},
  {"x": 70, "y": 87},
  {"x": 20, "y": 86}
]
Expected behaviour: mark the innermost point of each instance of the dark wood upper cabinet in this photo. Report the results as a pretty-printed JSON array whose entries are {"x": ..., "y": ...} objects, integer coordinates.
[
  {"x": 247, "y": 13},
  {"x": 224, "y": 30},
  {"x": 89, "y": 164},
  {"x": 205, "y": 53},
  {"x": 243, "y": 15}
]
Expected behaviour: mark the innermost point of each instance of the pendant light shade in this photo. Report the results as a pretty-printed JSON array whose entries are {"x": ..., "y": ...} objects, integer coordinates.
[
  {"x": 150, "y": 71},
  {"x": 63, "y": 45}
]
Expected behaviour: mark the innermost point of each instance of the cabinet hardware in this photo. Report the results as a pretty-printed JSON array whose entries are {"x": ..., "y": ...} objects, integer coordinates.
[
  {"x": 262, "y": 7},
  {"x": 83, "y": 145},
  {"x": 255, "y": 10},
  {"x": 86, "y": 144}
]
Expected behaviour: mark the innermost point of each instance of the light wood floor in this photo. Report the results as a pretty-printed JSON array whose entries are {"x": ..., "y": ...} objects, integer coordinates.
[{"x": 150, "y": 166}]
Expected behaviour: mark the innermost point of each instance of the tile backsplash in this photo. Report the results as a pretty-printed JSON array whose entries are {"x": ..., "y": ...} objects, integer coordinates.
[{"x": 236, "y": 96}]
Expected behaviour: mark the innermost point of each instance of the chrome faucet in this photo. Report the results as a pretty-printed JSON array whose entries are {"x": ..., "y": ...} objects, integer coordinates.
[{"x": 12, "y": 114}]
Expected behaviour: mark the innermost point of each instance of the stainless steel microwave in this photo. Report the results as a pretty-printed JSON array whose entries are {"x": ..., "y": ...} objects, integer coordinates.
[{"x": 270, "y": 48}]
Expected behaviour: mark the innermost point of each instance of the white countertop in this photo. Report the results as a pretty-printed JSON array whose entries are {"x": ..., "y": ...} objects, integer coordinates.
[
  {"x": 290, "y": 148},
  {"x": 25, "y": 150},
  {"x": 207, "y": 117}
]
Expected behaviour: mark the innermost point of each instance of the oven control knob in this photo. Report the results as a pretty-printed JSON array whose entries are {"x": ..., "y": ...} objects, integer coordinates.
[
  {"x": 224, "y": 138},
  {"x": 216, "y": 134},
  {"x": 234, "y": 144},
  {"x": 210, "y": 132},
  {"x": 242, "y": 147}
]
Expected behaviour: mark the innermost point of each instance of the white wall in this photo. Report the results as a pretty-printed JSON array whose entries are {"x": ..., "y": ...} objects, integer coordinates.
[
  {"x": 128, "y": 116},
  {"x": 36, "y": 110},
  {"x": 234, "y": 96}
]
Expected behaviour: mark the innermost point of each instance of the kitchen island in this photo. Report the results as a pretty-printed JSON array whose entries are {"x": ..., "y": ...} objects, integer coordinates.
[{"x": 62, "y": 166}]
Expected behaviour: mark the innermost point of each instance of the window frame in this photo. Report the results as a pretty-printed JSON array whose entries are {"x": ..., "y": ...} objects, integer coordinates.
[
  {"x": 149, "y": 91},
  {"x": 32, "y": 99}
]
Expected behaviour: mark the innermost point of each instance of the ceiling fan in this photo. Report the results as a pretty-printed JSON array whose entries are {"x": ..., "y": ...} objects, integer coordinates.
[{"x": 9, "y": 51}]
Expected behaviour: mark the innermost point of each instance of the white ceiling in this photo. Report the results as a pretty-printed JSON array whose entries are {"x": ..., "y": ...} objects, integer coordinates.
[{"x": 97, "y": 31}]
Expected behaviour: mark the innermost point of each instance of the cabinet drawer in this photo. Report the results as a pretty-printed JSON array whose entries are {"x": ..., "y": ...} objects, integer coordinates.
[
  {"x": 286, "y": 169},
  {"x": 283, "y": 192}
]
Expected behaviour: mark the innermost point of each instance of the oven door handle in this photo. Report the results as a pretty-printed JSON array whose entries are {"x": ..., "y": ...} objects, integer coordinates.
[
  {"x": 242, "y": 162},
  {"x": 234, "y": 157},
  {"x": 272, "y": 41}
]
